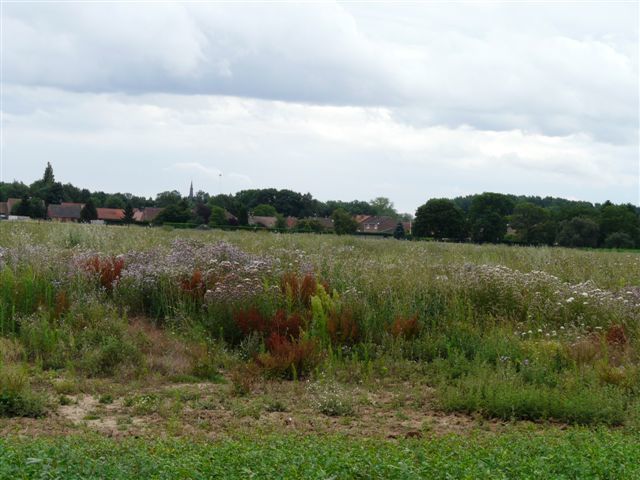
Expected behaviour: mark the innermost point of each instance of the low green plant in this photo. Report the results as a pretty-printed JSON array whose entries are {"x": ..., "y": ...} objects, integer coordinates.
[{"x": 17, "y": 399}]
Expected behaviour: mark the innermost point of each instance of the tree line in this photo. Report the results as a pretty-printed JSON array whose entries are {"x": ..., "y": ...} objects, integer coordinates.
[
  {"x": 495, "y": 218},
  {"x": 482, "y": 218}
]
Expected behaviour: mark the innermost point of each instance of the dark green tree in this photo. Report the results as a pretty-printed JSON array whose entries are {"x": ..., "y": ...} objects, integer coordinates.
[
  {"x": 533, "y": 224},
  {"x": 488, "y": 217},
  {"x": 578, "y": 232},
  {"x": 619, "y": 240},
  {"x": 439, "y": 218},
  {"x": 309, "y": 225},
  {"x": 398, "y": 233},
  {"x": 167, "y": 199},
  {"x": 619, "y": 219},
  {"x": 128, "y": 213},
  {"x": 48, "y": 177},
  {"x": 343, "y": 223},
  {"x": 23, "y": 207},
  {"x": 88, "y": 212},
  {"x": 179, "y": 212}
]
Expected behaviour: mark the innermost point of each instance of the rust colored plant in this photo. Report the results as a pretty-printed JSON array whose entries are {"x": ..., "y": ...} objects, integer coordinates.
[
  {"x": 62, "y": 303},
  {"x": 288, "y": 325},
  {"x": 299, "y": 289},
  {"x": 107, "y": 269},
  {"x": 251, "y": 320},
  {"x": 195, "y": 286},
  {"x": 289, "y": 285},
  {"x": 616, "y": 336},
  {"x": 343, "y": 328},
  {"x": 287, "y": 358},
  {"x": 308, "y": 288},
  {"x": 405, "y": 327}
]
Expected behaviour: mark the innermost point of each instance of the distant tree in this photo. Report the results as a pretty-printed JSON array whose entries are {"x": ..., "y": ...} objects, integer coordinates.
[
  {"x": 619, "y": 240},
  {"x": 355, "y": 207},
  {"x": 167, "y": 199},
  {"x": 619, "y": 218},
  {"x": 23, "y": 207},
  {"x": 383, "y": 206},
  {"x": 264, "y": 210},
  {"x": 533, "y": 224},
  {"x": 488, "y": 217},
  {"x": 12, "y": 190},
  {"x": 115, "y": 201},
  {"x": 343, "y": 223},
  {"x": 398, "y": 233},
  {"x": 128, "y": 213},
  {"x": 243, "y": 216},
  {"x": 309, "y": 225},
  {"x": 48, "y": 177},
  {"x": 176, "y": 213},
  {"x": 202, "y": 197},
  {"x": 217, "y": 216},
  {"x": 439, "y": 218},
  {"x": 281, "y": 222},
  {"x": 203, "y": 212},
  {"x": 88, "y": 212},
  {"x": 578, "y": 232}
]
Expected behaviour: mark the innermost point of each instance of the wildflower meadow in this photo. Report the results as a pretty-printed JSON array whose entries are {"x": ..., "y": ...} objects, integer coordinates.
[{"x": 394, "y": 351}]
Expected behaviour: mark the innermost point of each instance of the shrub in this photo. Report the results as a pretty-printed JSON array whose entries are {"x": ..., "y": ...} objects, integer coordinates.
[
  {"x": 44, "y": 341},
  {"x": 16, "y": 397},
  {"x": 110, "y": 355},
  {"x": 330, "y": 399}
]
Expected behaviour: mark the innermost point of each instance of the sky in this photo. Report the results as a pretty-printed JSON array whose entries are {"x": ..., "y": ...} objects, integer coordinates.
[{"x": 346, "y": 101}]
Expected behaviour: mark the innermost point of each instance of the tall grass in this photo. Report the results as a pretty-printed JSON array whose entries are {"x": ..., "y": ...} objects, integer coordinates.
[{"x": 501, "y": 330}]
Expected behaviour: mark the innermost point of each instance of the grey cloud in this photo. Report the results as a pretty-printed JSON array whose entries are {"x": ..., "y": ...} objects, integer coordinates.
[{"x": 553, "y": 70}]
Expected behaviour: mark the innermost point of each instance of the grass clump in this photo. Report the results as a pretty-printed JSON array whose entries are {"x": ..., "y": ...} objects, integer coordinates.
[
  {"x": 514, "y": 399},
  {"x": 16, "y": 397}
]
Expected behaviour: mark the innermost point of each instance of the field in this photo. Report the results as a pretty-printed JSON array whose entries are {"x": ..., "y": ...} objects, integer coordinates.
[{"x": 158, "y": 353}]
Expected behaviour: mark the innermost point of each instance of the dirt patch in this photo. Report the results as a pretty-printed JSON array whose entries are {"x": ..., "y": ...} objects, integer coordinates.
[{"x": 210, "y": 410}]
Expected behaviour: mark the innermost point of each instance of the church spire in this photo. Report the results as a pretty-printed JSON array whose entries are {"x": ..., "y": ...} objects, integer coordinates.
[{"x": 191, "y": 191}]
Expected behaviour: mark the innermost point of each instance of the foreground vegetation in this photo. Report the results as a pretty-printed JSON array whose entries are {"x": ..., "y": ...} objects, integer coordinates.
[
  {"x": 390, "y": 355},
  {"x": 579, "y": 454}
]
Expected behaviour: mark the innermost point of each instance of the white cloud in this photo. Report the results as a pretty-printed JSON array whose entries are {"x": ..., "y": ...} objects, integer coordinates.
[{"x": 333, "y": 152}]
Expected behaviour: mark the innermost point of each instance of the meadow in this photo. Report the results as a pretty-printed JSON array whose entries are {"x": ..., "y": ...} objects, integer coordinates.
[{"x": 380, "y": 358}]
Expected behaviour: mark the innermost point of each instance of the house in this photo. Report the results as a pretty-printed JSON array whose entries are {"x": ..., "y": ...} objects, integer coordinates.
[
  {"x": 361, "y": 218},
  {"x": 266, "y": 222},
  {"x": 65, "y": 212},
  {"x": 110, "y": 214},
  {"x": 230, "y": 218},
  {"x": 6, "y": 207},
  {"x": 378, "y": 224},
  {"x": 147, "y": 214}
]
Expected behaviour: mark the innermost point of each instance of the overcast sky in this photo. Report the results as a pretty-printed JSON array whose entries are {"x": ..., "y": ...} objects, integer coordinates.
[{"x": 344, "y": 101}]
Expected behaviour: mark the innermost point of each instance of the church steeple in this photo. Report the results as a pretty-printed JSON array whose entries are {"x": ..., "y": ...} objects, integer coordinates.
[{"x": 191, "y": 191}]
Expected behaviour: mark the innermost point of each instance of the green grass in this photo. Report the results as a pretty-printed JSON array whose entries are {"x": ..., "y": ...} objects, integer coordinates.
[{"x": 579, "y": 454}]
